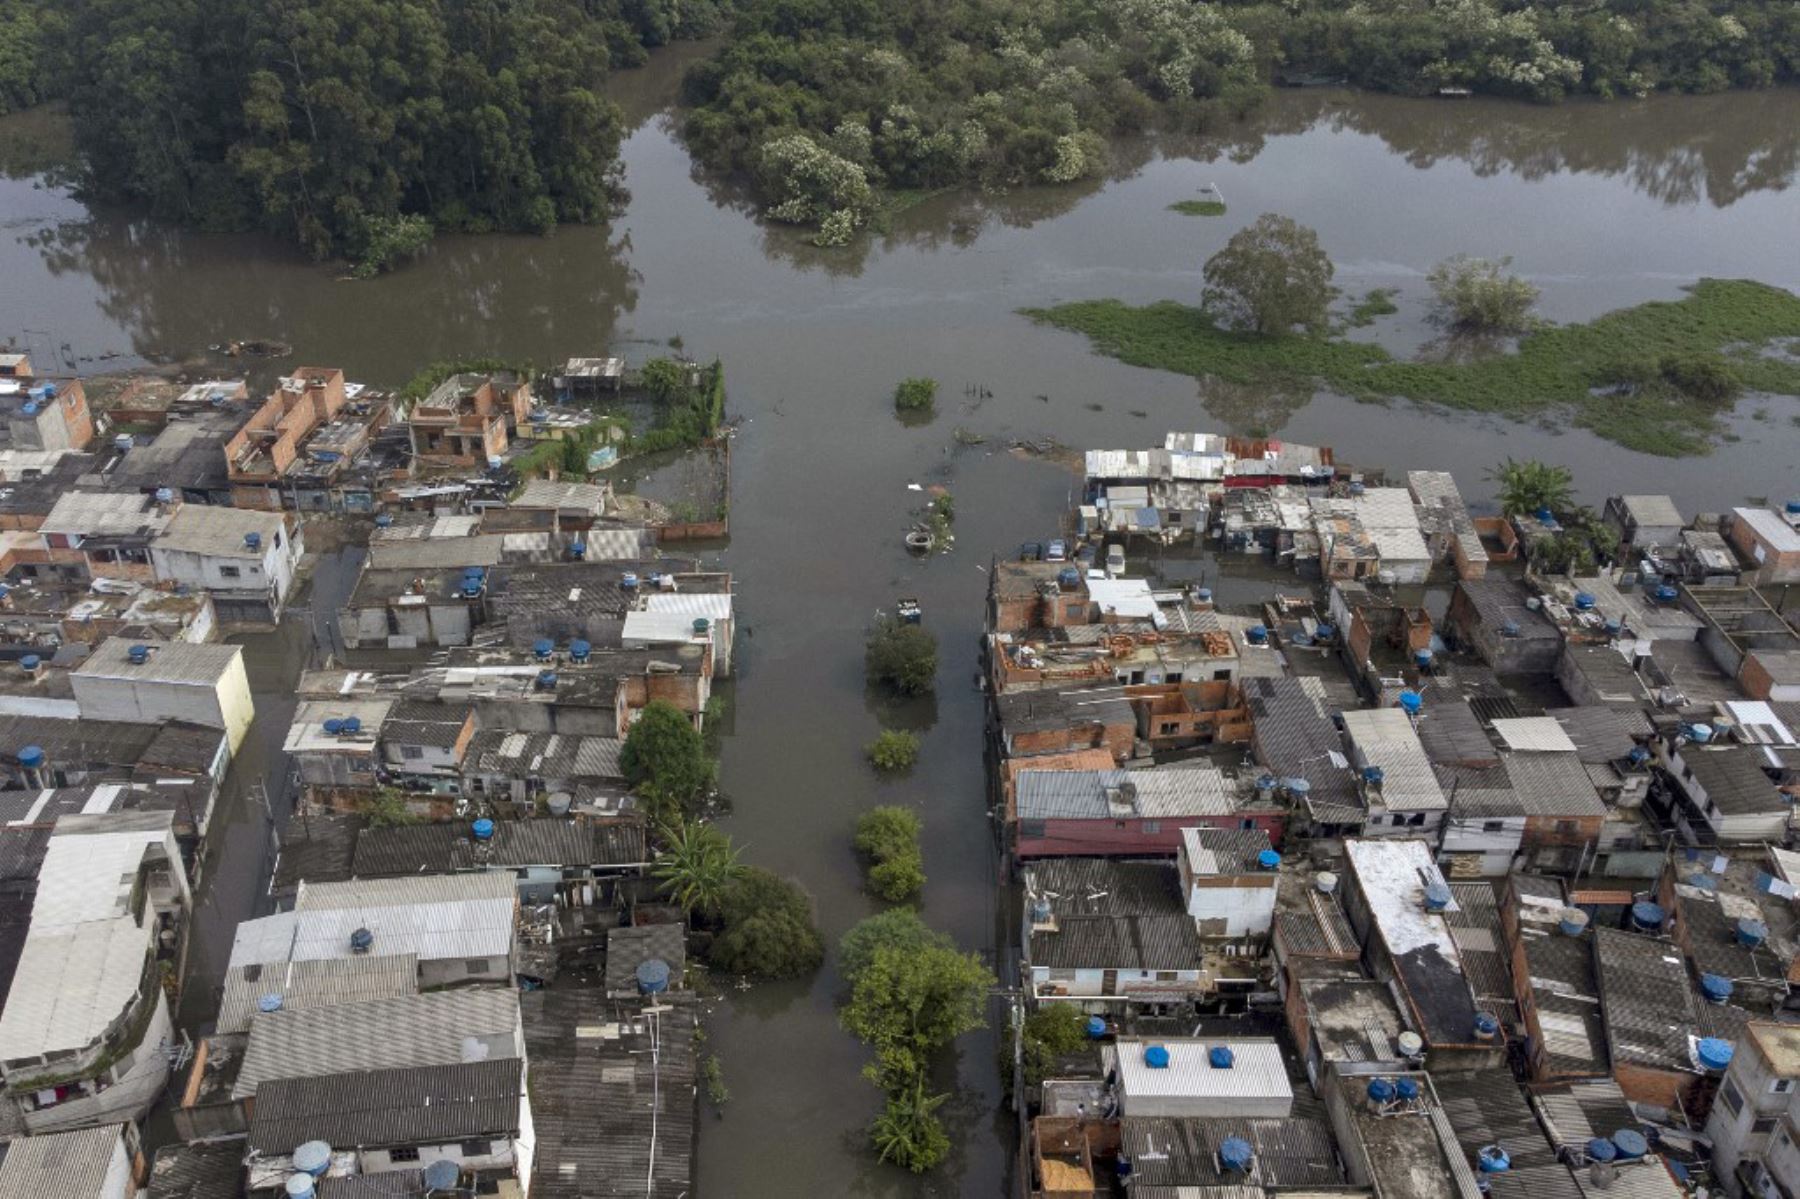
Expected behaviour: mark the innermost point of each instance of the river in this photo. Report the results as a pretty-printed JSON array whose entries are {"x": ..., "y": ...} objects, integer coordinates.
[{"x": 1600, "y": 205}]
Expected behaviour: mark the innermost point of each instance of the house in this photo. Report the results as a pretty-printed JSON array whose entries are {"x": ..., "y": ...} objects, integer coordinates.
[
  {"x": 1573, "y": 1115},
  {"x": 149, "y": 400},
  {"x": 409, "y": 609},
  {"x": 47, "y": 414},
  {"x": 1196, "y": 1078},
  {"x": 1344, "y": 1022},
  {"x": 1056, "y": 722},
  {"x": 1184, "y": 715},
  {"x": 467, "y": 419},
  {"x": 1036, "y": 595},
  {"x": 1652, "y": 1017},
  {"x": 628, "y": 949},
  {"x": 588, "y": 378},
  {"x": 502, "y": 766},
  {"x": 1752, "y": 1124},
  {"x": 1229, "y": 877},
  {"x": 85, "y": 1029},
  {"x": 1748, "y": 640},
  {"x": 1495, "y": 617},
  {"x": 1562, "y": 807},
  {"x": 334, "y": 741},
  {"x": 246, "y": 559},
  {"x": 1396, "y": 1141},
  {"x": 105, "y": 535},
  {"x": 459, "y": 928},
  {"x": 1397, "y": 902},
  {"x": 197, "y": 1171},
  {"x": 1769, "y": 541},
  {"x": 93, "y": 1163},
  {"x": 1128, "y": 813},
  {"x": 1705, "y": 559},
  {"x": 1718, "y": 794},
  {"x": 1553, "y": 979},
  {"x": 1293, "y": 736},
  {"x": 553, "y": 861},
  {"x": 1644, "y": 520},
  {"x": 475, "y": 1114},
  {"x": 1400, "y": 790},
  {"x": 154, "y": 681},
  {"x": 267, "y": 446},
  {"x": 1484, "y": 822},
  {"x": 1189, "y": 1156},
  {"x": 1103, "y": 933},
  {"x": 424, "y": 744},
  {"x": 1738, "y": 935},
  {"x": 1444, "y": 519}
]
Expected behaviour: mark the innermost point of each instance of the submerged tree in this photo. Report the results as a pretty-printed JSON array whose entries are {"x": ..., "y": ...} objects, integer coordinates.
[
  {"x": 664, "y": 758},
  {"x": 696, "y": 868},
  {"x": 768, "y": 928},
  {"x": 902, "y": 656},
  {"x": 908, "y": 1132},
  {"x": 1270, "y": 278},
  {"x": 1480, "y": 296}
]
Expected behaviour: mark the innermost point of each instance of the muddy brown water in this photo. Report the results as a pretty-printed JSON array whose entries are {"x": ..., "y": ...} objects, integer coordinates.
[{"x": 1600, "y": 205}]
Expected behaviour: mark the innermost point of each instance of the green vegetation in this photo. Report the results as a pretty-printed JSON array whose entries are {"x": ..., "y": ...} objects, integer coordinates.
[
  {"x": 887, "y": 837},
  {"x": 1529, "y": 487},
  {"x": 386, "y": 808},
  {"x": 893, "y": 751},
  {"x": 30, "y": 31},
  {"x": 1052, "y": 1031},
  {"x": 665, "y": 761},
  {"x": 1198, "y": 207},
  {"x": 901, "y": 656},
  {"x": 696, "y": 868},
  {"x": 690, "y": 403},
  {"x": 712, "y": 1080},
  {"x": 1606, "y": 375},
  {"x": 1376, "y": 302},
  {"x": 915, "y": 395},
  {"x": 940, "y": 515},
  {"x": 911, "y": 995},
  {"x": 767, "y": 928},
  {"x": 1479, "y": 296},
  {"x": 422, "y": 383},
  {"x": 1270, "y": 278}
]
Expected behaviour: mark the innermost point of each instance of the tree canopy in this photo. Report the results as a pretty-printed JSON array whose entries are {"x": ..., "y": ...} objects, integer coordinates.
[
  {"x": 768, "y": 928},
  {"x": 909, "y": 1002},
  {"x": 897, "y": 928},
  {"x": 1270, "y": 278},
  {"x": 888, "y": 837},
  {"x": 697, "y": 867},
  {"x": 1526, "y": 488},
  {"x": 1480, "y": 295},
  {"x": 665, "y": 758},
  {"x": 902, "y": 656}
]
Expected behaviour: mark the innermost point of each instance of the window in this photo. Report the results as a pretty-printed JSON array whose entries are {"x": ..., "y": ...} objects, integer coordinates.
[
  {"x": 1764, "y": 1124},
  {"x": 229, "y": 572},
  {"x": 1782, "y": 1086},
  {"x": 1033, "y": 828},
  {"x": 475, "y": 966},
  {"x": 1220, "y": 676},
  {"x": 477, "y": 1148},
  {"x": 1165, "y": 976},
  {"x": 1246, "y": 824},
  {"x": 412, "y": 753},
  {"x": 1731, "y": 1097},
  {"x": 1567, "y": 826},
  {"x": 1493, "y": 826},
  {"x": 1151, "y": 827},
  {"x": 403, "y": 1154},
  {"x": 1417, "y": 819},
  {"x": 1173, "y": 518},
  {"x": 1168, "y": 728}
]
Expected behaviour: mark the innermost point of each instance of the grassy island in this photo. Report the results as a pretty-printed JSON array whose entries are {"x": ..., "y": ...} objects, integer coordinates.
[{"x": 1655, "y": 378}]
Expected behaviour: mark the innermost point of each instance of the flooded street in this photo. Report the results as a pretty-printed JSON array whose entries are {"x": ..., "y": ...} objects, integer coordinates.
[{"x": 1600, "y": 206}]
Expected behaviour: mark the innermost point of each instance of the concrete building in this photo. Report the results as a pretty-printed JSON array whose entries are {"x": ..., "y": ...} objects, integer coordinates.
[
  {"x": 94, "y": 1163},
  {"x": 1752, "y": 1121},
  {"x": 104, "y": 535},
  {"x": 246, "y": 559},
  {"x": 1644, "y": 520},
  {"x": 467, "y": 419},
  {"x": 85, "y": 1029},
  {"x": 1769, "y": 541},
  {"x": 1720, "y": 794},
  {"x": 45, "y": 414},
  {"x": 1129, "y": 813},
  {"x": 1399, "y": 788},
  {"x": 261, "y": 453},
  {"x": 1492, "y": 617},
  {"x": 334, "y": 741},
  {"x": 1190, "y": 1077},
  {"x": 151, "y": 682},
  {"x": 1229, "y": 879}
]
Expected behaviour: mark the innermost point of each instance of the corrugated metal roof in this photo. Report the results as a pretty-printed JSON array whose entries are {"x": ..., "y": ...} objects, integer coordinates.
[
  {"x": 1119, "y": 943},
  {"x": 198, "y": 1171},
  {"x": 1535, "y": 733},
  {"x": 1180, "y": 1158},
  {"x": 60, "y": 1165},
  {"x": 1646, "y": 999},
  {"x": 714, "y": 605},
  {"x": 1258, "y": 1070},
  {"x": 468, "y": 928},
  {"x": 1602, "y": 734},
  {"x": 482, "y": 550},
  {"x": 219, "y": 532},
  {"x": 304, "y": 986},
  {"x": 1216, "y": 851},
  {"x": 1151, "y": 794},
  {"x": 410, "y": 849},
  {"x": 319, "y": 897},
  {"x": 103, "y": 514},
  {"x": 1385, "y": 737},
  {"x": 438, "y": 1028},
  {"x": 1654, "y": 510},
  {"x": 1554, "y": 784},
  {"x": 182, "y": 662},
  {"x": 1781, "y": 536},
  {"x": 1103, "y": 887},
  {"x": 1489, "y": 1109},
  {"x": 429, "y": 1105}
]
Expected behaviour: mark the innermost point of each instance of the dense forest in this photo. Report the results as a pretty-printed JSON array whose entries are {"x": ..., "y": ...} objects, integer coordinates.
[
  {"x": 358, "y": 127},
  {"x": 827, "y": 104},
  {"x": 354, "y": 127}
]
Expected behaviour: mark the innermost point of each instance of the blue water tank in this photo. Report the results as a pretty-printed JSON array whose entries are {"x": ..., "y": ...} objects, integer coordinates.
[
  {"x": 1411, "y": 701},
  {"x": 1510, "y": 629},
  {"x": 1584, "y": 601},
  {"x": 313, "y": 1157},
  {"x": 1235, "y": 1155},
  {"x": 1716, "y": 988},
  {"x": 333, "y": 726},
  {"x": 1096, "y": 1027},
  {"x": 1545, "y": 515},
  {"x": 165, "y": 495},
  {"x": 471, "y": 588},
  {"x": 483, "y": 829},
  {"x": 546, "y": 680},
  {"x": 1422, "y": 658},
  {"x": 31, "y": 757},
  {"x": 1614, "y": 628},
  {"x": 540, "y": 416},
  {"x": 543, "y": 647},
  {"x": 579, "y": 650},
  {"x": 1630, "y": 1143},
  {"x": 1437, "y": 896},
  {"x": 1268, "y": 859},
  {"x": 1256, "y": 635},
  {"x": 1486, "y": 1027},
  {"x": 577, "y": 549},
  {"x": 652, "y": 977},
  {"x": 628, "y": 581},
  {"x": 361, "y": 940},
  {"x": 1203, "y": 595},
  {"x": 1381, "y": 1091},
  {"x": 1220, "y": 1057},
  {"x": 50, "y": 391},
  {"x": 1700, "y": 734},
  {"x": 269, "y": 1003},
  {"x": 1299, "y": 788},
  {"x": 252, "y": 541},
  {"x": 1714, "y": 1053},
  {"x": 1646, "y": 916},
  {"x": 1493, "y": 1160},
  {"x": 1572, "y": 922},
  {"x": 1793, "y": 507},
  {"x": 1373, "y": 775},
  {"x": 30, "y": 662},
  {"x": 441, "y": 1175},
  {"x": 137, "y": 655},
  {"x": 352, "y": 725},
  {"x": 473, "y": 572},
  {"x": 31, "y": 408},
  {"x": 1156, "y": 1057},
  {"x": 1069, "y": 577},
  {"x": 1751, "y": 932},
  {"x": 1666, "y": 594},
  {"x": 299, "y": 1185},
  {"x": 1406, "y": 1089},
  {"x": 384, "y": 521},
  {"x": 1599, "y": 1149},
  {"x": 1638, "y": 755}
]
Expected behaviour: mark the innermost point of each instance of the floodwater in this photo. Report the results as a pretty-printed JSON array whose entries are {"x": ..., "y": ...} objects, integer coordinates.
[{"x": 1600, "y": 205}]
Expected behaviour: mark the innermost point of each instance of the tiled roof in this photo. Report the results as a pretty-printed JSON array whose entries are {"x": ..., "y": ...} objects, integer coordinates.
[
  {"x": 59, "y": 1165},
  {"x": 629, "y": 948},
  {"x": 1295, "y": 1153},
  {"x": 1295, "y": 737},
  {"x": 1602, "y": 734},
  {"x": 303, "y": 986},
  {"x": 1119, "y": 943},
  {"x": 424, "y": 722},
  {"x": 426, "y": 1105},
  {"x": 444, "y": 847},
  {"x": 1733, "y": 780},
  {"x": 1645, "y": 998},
  {"x": 1554, "y": 784},
  {"x": 1103, "y": 887},
  {"x": 1489, "y": 1109},
  {"x": 198, "y": 1171}
]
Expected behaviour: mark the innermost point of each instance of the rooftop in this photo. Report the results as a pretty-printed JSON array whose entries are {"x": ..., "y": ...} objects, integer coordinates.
[
  {"x": 423, "y": 1105},
  {"x": 220, "y": 532},
  {"x": 1393, "y": 875},
  {"x": 445, "y": 847},
  {"x": 103, "y": 514},
  {"x": 61, "y": 1165},
  {"x": 1771, "y": 528},
  {"x": 1500, "y": 600},
  {"x": 1257, "y": 1070},
  {"x": 1645, "y": 998},
  {"x": 304, "y": 986},
  {"x": 1733, "y": 779},
  {"x": 1295, "y": 1154},
  {"x": 1117, "y": 794},
  {"x": 180, "y": 662},
  {"x": 1384, "y": 737},
  {"x": 629, "y": 948},
  {"x": 1354, "y": 1019}
]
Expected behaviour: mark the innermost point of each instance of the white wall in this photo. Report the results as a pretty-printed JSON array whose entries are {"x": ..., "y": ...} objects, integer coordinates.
[
  {"x": 1248, "y": 911},
  {"x": 226, "y": 705}
]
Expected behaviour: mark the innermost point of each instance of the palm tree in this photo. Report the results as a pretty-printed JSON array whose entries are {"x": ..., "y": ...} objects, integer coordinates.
[
  {"x": 696, "y": 867},
  {"x": 1529, "y": 487},
  {"x": 908, "y": 1132}
]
